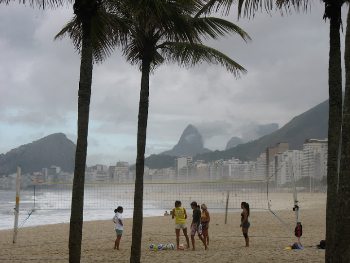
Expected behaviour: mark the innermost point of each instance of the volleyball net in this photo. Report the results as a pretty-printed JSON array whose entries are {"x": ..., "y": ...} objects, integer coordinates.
[
  {"x": 51, "y": 202},
  {"x": 156, "y": 195}
]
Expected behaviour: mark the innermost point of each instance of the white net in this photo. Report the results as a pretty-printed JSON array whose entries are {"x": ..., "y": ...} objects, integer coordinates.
[{"x": 156, "y": 195}]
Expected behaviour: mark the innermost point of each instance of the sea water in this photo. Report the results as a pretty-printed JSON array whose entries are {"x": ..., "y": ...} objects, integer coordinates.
[{"x": 53, "y": 207}]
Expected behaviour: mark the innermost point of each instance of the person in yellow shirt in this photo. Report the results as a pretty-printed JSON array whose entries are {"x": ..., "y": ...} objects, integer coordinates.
[{"x": 179, "y": 213}]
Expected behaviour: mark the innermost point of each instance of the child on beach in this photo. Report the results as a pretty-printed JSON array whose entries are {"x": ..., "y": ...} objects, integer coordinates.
[
  {"x": 205, "y": 219},
  {"x": 119, "y": 226},
  {"x": 196, "y": 220},
  {"x": 244, "y": 222},
  {"x": 179, "y": 213}
]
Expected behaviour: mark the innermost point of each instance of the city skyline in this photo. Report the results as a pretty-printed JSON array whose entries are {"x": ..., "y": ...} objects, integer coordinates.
[{"x": 39, "y": 79}]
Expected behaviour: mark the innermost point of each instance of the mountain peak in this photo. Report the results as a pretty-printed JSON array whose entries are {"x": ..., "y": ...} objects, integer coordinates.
[{"x": 190, "y": 143}]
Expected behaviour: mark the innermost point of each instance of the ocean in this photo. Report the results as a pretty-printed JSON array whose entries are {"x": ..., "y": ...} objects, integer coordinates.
[{"x": 53, "y": 207}]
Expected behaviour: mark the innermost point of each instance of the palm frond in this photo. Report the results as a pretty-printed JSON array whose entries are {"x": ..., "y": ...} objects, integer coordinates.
[
  {"x": 214, "y": 6},
  {"x": 214, "y": 27},
  {"x": 107, "y": 32},
  {"x": 40, "y": 3},
  {"x": 190, "y": 54},
  {"x": 248, "y": 8}
]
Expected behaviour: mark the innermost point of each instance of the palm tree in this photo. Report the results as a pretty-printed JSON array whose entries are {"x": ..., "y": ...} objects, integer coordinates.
[
  {"x": 342, "y": 244},
  {"x": 332, "y": 12},
  {"x": 164, "y": 30},
  {"x": 93, "y": 22}
]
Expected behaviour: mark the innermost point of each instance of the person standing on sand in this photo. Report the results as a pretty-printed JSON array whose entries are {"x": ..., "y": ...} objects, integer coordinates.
[
  {"x": 179, "y": 213},
  {"x": 205, "y": 219},
  {"x": 119, "y": 226},
  {"x": 244, "y": 222},
  {"x": 196, "y": 220}
]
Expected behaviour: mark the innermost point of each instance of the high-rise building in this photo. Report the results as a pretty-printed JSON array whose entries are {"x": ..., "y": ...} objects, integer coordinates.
[
  {"x": 121, "y": 173},
  {"x": 271, "y": 164},
  {"x": 183, "y": 167},
  {"x": 288, "y": 166},
  {"x": 315, "y": 158}
]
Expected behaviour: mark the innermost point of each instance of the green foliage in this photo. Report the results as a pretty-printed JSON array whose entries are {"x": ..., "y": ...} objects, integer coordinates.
[
  {"x": 107, "y": 30},
  {"x": 172, "y": 31}
]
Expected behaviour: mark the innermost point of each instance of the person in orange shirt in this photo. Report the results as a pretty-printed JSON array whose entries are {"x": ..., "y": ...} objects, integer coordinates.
[
  {"x": 205, "y": 219},
  {"x": 180, "y": 215}
]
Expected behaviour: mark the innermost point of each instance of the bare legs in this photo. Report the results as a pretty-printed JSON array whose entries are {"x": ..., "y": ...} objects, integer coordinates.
[
  {"x": 177, "y": 231},
  {"x": 245, "y": 234},
  {"x": 117, "y": 242},
  {"x": 186, "y": 236},
  {"x": 205, "y": 237},
  {"x": 201, "y": 238}
]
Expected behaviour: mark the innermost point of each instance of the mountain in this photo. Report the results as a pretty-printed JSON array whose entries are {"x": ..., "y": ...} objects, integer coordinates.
[
  {"x": 190, "y": 143},
  {"x": 55, "y": 149},
  {"x": 251, "y": 132},
  {"x": 233, "y": 142},
  {"x": 310, "y": 124}
]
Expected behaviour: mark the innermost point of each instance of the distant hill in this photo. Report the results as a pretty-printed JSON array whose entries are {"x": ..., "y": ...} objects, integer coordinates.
[
  {"x": 252, "y": 132},
  {"x": 190, "y": 143},
  {"x": 233, "y": 142},
  {"x": 159, "y": 161},
  {"x": 55, "y": 149},
  {"x": 310, "y": 124}
]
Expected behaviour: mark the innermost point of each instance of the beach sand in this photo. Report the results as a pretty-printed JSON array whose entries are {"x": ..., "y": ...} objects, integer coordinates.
[{"x": 268, "y": 239}]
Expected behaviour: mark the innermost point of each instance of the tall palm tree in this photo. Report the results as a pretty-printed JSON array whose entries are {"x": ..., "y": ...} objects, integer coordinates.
[
  {"x": 167, "y": 31},
  {"x": 93, "y": 22},
  {"x": 342, "y": 244},
  {"x": 332, "y": 12}
]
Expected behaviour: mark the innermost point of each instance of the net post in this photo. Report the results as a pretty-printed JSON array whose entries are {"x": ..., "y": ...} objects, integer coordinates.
[
  {"x": 226, "y": 209},
  {"x": 18, "y": 186}
]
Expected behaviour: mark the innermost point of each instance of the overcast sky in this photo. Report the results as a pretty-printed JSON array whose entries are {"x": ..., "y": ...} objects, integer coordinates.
[{"x": 287, "y": 63}]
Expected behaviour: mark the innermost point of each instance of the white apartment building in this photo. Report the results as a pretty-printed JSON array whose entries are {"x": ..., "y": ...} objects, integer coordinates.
[
  {"x": 288, "y": 165},
  {"x": 239, "y": 170},
  {"x": 121, "y": 171},
  {"x": 216, "y": 170},
  {"x": 98, "y": 172},
  {"x": 260, "y": 167},
  {"x": 200, "y": 170},
  {"x": 183, "y": 167},
  {"x": 315, "y": 158}
]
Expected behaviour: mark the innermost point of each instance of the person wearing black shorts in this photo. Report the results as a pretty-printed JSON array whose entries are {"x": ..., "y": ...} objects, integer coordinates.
[{"x": 245, "y": 222}]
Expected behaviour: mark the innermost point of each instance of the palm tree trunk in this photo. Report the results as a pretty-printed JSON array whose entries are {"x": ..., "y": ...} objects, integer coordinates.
[
  {"x": 135, "y": 256},
  {"x": 334, "y": 125},
  {"x": 342, "y": 242},
  {"x": 76, "y": 219}
]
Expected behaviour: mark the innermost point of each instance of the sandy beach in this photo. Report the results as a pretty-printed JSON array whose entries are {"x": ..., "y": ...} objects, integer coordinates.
[{"x": 268, "y": 238}]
